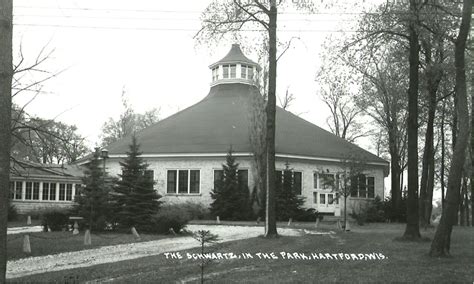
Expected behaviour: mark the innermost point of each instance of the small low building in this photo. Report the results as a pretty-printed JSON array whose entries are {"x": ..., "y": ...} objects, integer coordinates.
[{"x": 35, "y": 188}]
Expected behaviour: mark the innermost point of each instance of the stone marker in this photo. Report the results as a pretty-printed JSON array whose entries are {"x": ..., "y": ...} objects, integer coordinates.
[
  {"x": 135, "y": 233},
  {"x": 289, "y": 222},
  {"x": 218, "y": 220},
  {"x": 87, "y": 238},
  {"x": 76, "y": 228},
  {"x": 28, "y": 220},
  {"x": 317, "y": 222},
  {"x": 26, "y": 244},
  {"x": 347, "y": 227}
]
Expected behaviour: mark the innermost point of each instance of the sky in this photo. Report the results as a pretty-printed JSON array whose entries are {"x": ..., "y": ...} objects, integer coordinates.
[{"x": 147, "y": 48}]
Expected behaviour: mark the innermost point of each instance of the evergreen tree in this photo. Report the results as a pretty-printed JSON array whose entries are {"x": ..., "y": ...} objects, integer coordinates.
[
  {"x": 135, "y": 200},
  {"x": 92, "y": 202},
  {"x": 231, "y": 199},
  {"x": 288, "y": 203}
]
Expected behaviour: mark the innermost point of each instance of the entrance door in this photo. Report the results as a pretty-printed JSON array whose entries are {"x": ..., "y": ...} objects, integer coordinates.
[{"x": 326, "y": 202}]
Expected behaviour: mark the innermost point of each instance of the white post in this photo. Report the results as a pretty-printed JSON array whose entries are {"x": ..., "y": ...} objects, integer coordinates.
[
  {"x": 26, "y": 244},
  {"x": 87, "y": 238}
]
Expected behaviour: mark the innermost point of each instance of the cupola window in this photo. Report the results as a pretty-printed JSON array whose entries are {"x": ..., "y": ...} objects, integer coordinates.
[
  {"x": 215, "y": 74},
  {"x": 249, "y": 73},
  {"x": 225, "y": 71},
  {"x": 243, "y": 71},
  {"x": 233, "y": 69}
]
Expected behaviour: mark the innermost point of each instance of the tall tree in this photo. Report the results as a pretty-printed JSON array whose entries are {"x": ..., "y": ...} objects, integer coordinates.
[
  {"x": 442, "y": 239},
  {"x": 135, "y": 199},
  {"x": 93, "y": 201},
  {"x": 412, "y": 229},
  {"x": 221, "y": 18},
  {"x": 6, "y": 74},
  {"x": 230, "y": 196}
]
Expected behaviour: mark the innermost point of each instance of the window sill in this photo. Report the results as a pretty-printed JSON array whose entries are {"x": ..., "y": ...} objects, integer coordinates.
[{"x": 361, "y": 198}]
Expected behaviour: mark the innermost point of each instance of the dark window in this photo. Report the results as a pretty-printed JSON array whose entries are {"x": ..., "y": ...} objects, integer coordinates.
[
  {"x": 183, "y": 181},
  {"x": 194, "y": 181},
  {"x": 29, "y": 190},
  {"x": 233, "y": 71},
  {"x": 36, "y": 190},
  {"x": 18, "y": 190},
  {"x": 330, "y": 199},
  {"x": 297, "y": 182},
  {"x": 326, "y": 181},
  {"x": 69, "y": 192},
  {"x": 243, "y": 71},
  {"x": 315, "y": 197},
  {"x": 278, "y": 177},
  {"x": 354, "y": 184},
  {"x": 171, "y": 184},
  {"x": 150, "y": 177},
  {"x": 315, "y": 180},
  {"x": 250, "y": 72},
  {"x": 362, "y": 186},
  {"x": 371, "y": 187},
  {"x": 62, "y": 191},
  {"x": 225, "y": 71},
  {"x": 218, "y": 176},
  {"x": 45, "y": 191},
  {"x": 243, "y": 178},
  {"x": 322, "y": 198},
  {"x": 52, "y": 191}
]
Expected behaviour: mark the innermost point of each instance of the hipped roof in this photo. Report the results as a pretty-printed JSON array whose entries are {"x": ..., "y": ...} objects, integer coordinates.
[{"x": 222, "y": 119}]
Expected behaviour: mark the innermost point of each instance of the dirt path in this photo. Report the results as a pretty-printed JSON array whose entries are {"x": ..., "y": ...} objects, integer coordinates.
[{"x": 68, "y": 260}]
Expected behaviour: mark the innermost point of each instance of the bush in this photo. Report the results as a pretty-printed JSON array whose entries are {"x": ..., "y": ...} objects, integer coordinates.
[
  {"x": 12, "y": 213},
  {"x": 169, "y": 217},
  {"x": 308, "y": 215},
  {"x": 196, "y": 211},
  {"x": 55, "y": 220}
]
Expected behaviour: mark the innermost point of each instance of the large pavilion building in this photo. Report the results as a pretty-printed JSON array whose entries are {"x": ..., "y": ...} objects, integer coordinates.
[{"x": 185, "y": 151}]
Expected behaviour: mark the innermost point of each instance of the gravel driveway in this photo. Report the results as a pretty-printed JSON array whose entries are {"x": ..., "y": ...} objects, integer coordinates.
[{"x": 107, "y": 254}]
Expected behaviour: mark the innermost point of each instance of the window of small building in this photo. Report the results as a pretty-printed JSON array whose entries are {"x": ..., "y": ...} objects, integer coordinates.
[
  {"x": 315, "y": 197},
  {"x": 62, "y": 191},
  {"x": 36, "y": 190},
  {"x": 183, "y": 181},
  {"x": 242, "y": 177},
  {"x": 363, "y": 186},
  {"x": 52, "y": 191},
  {"x": 69, "y": 192},
  {"x": 18, "y": 190},
  {"x": 326, "y": 181},
  {"x": 297, "y": 180},
  {"x": 215, "y": 74},
  {"x": 28, "y": 190},
  {"x": 45, "y": 191}
]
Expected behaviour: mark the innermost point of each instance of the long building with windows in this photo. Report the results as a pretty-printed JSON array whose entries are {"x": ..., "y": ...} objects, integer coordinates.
[
  {"x": 186, "y": 151},
  {"x": 35, "y": 187}
]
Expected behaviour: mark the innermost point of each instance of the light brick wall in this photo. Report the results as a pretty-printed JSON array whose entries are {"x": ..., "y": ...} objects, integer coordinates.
[{"x": 208, "y": 165}]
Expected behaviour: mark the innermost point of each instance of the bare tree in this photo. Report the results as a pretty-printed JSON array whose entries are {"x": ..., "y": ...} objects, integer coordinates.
[
  {"x": 6, "y": 75},
  {"x": 287, "y": 100},
  {"x": 230, "y": 17},
  {"x": 128, "y": 123},
  {"x": 442, "y": 239}
]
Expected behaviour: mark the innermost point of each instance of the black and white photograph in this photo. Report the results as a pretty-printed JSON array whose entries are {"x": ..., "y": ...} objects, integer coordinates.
[{"x": 236, "y": 141}]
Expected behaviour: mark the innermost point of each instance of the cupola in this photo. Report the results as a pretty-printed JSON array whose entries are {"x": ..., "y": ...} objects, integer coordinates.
[{"x": 235, "y": 67}]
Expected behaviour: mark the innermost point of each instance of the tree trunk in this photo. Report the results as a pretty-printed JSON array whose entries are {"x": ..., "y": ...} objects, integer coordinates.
[
  {"x": 462, "y": 207},
  {"x": 412, "y": 230},
  {"x": 270, "y": 220},
  {"x": 426, "y": 184},
  {"x": 443, "y": 151},
  {"x": 6, "y": 73},
  {"x": 442, "y": 239},
  {"x": 395, "y": 176}
]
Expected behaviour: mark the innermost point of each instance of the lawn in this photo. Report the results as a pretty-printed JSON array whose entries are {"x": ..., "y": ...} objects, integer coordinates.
[
  {"x": 404, "y": 261},
  {"x": 57, "y": 242}
]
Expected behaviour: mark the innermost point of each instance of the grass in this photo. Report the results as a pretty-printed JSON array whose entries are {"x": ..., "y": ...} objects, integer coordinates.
[
  {"x": 57, "y": 242},
  {"x": 405, "y": 262},
  {"x": 21, "y": 222}
]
